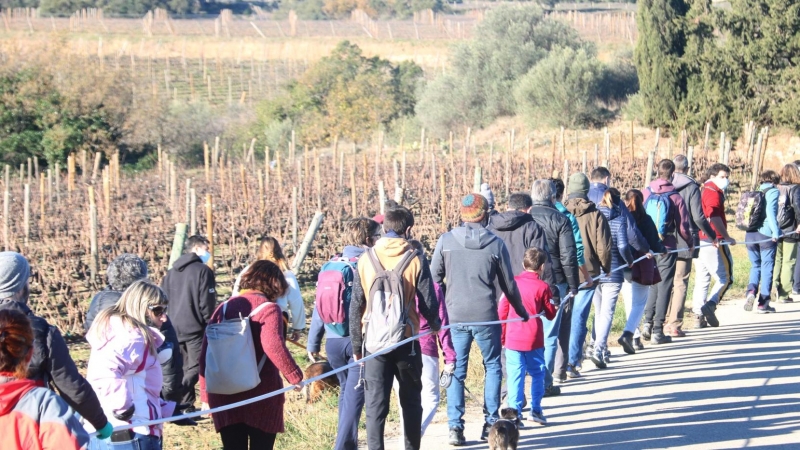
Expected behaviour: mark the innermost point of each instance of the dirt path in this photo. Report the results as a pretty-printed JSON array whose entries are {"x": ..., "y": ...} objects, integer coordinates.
[{"x": 729, "y": 387}]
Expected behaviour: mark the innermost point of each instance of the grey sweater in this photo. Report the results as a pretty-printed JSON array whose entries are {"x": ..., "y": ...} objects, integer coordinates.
[{"x": 470, "y": 258}]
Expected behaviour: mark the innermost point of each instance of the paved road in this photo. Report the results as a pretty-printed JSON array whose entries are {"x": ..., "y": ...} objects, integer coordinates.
[{"x": 734, "y": 386}]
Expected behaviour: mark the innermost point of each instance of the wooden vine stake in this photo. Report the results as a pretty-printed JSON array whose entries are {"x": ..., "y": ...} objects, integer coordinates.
[
  {"x": 6, "y": 237},
  {"x": 353, "y": 207},
  {"x": 294, "y": 220},
  {"x": 192, "y": 212},
  {"x": 305, "y": 247},
  {"x": 443, "y": 202},
  {"x": 27, "y": 212},
  {"x": 41, "y": 202},
  {"x": 210, "y": 229},
  {"x": 92, "y": 234}
]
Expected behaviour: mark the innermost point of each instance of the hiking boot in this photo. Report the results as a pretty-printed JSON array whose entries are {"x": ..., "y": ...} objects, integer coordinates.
[
  {"x": 660, "y": 338},
  {"x": 637, "y": 343},
  {"x": 647, "y": 331},
  {"x": 700, "y": 321},
  {"x": 785, "y": 300},
  {"x": 551, "y": 391},
  {"x": 562, "y": 378},
  {"x": 626, "y": 341},
  {"x": 709, "y": 314},
  {"x": 485, "y": 432},
  {"x": 748, "y": 303},
  {"x": 457, "y": 437},
  {"x": 770, "y": 308},
  {"x": 765, "y": 308},
  {"x": 537, "y": 417},
  {"x": 572, "y": 372},
  {"x": 597, "y": 359}
]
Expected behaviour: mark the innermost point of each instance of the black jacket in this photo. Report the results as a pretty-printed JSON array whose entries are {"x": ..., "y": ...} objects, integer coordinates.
[
  {"x": 172, "y": 368},
  {"x": 519, "y": 232},
  {"x": 191, "y": 290},
  {"x": 689, "y": 191},
  {"x": 560, "y": 243},
  {"x": 51, "y": 363}
]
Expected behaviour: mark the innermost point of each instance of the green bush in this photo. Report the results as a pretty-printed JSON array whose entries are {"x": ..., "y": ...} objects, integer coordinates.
[{"x": 562, "y": 89}]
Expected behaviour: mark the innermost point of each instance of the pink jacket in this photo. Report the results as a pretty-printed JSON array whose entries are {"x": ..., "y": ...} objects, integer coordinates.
[
  {"x": 124, "y": 373},
  {"x": 536, "y": 295},
  {"x": 428, "y": 343}
]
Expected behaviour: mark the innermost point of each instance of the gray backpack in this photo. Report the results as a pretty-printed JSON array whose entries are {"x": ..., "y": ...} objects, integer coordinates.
[{"x": 386, "y": 317}]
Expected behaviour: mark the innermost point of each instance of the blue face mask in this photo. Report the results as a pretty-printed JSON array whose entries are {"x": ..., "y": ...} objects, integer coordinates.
[{"x": 204, "y": 256}]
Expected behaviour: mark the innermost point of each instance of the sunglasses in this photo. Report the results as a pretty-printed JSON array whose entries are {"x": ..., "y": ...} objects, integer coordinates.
[{"x": 158, "y": 310}]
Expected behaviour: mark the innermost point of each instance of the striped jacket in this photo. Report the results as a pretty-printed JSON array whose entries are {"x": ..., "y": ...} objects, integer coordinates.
[{"x": 33, "y": 418}]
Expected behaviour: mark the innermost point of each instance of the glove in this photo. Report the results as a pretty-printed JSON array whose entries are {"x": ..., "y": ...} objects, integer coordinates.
[
  {"x": 449, "y": 368},
  {"x": 105, "y": 432},
  {"x": 125, "y": 415},
  {"x": 445, "y": 378}
]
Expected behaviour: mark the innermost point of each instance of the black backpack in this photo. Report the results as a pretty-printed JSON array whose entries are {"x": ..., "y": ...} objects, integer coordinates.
[{"x": 786, "y": 212}]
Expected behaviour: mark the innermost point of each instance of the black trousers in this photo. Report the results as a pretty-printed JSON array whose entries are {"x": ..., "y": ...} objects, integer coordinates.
[
  {"x": 562, "y": 353},
  {"x": 655, "y": 311},
  {"x": 404, "y": 363},
  {"x": 190, "y": 350},
  {"x": 235, "y": 437}
]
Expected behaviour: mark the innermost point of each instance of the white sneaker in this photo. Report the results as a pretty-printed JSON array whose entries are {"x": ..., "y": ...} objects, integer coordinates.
[{"x": 537, "y": 417}]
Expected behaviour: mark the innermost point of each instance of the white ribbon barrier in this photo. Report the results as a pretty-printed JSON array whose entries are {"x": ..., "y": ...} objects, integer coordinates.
[{"x": 389, "y": 349}]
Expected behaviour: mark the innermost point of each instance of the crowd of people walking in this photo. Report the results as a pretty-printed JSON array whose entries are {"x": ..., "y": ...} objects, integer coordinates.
[{"x": 519, "y": 283}]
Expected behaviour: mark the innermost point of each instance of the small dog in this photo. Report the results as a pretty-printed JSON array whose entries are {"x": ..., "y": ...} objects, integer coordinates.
[
  {"x": 504, "y": 434},
  {"x": 312, "y": 392}
]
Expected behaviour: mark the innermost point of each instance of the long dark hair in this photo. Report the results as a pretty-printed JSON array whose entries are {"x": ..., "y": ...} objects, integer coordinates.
[{"x": 634, "y": 201}]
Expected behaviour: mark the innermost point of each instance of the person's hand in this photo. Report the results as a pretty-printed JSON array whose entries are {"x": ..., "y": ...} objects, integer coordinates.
[
  {"x": 648, "y": 255},
  {"x": 313, "y": 356},
  {"x": 691, "y": 249},
  {"x": 730, "y": 241},
  {"x": 526, "y": 318},
  {"x": 106, "y": 431},
  {"x": 356, "y": 356},
  {"x": 449, "y": 368},
  {"x": 298, "y": 387},
  {"x": 589, "y": 282},
  {"x": 126, "y": 414}
]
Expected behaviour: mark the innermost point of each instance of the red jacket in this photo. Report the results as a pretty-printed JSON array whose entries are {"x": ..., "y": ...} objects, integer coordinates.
[
  {"x": 33, "y": 418},
  {"x": 713, "y": 200},
  {"x": 536, "y": 295}
]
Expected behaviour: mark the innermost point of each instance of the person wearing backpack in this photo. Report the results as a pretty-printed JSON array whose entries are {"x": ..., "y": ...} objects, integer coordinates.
[
  {"x": 762, "y": 254},
  {"x": 254, "y": 426},
  {"x": 392, "y": 274},
  {"x": 338, "y": 275},
  {"x": 470, "y": 258},
  {"x": 789, "y": 222},
  {"x": 689, "y": 190},
  {"x": 671, "y": 216}
]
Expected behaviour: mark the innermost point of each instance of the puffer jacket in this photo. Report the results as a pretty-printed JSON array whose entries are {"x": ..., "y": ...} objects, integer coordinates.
[
  {"x": 689, "y": 191},
  {"x": 124, "y": 373},
  {"x": 595, "y": 232},
  {"x": 621, "y": 254},
  {"x": 560, "y": 243},
  {"x": 635, "y": 238}
]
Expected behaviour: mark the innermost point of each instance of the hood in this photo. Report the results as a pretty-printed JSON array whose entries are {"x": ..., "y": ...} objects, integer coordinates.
[
  {"x": 660, "y": 186},
  {"x": 392, "y": 246},
  {"x": 509, "y": 220},
  {"x": 680, "y": 181},
  {"x": 765, "y": 186},
  {"x": 610, "y": 213},
  {"x": 351, "y": 251},
  {"x": 11, "y": 392},
  {"x": 580, "y": 206},
  {"x": 185, "y": 260},
  {"x": 118, "y": 330},
  {"x": 7, "y": 303},
  {"x": 598, "y": 187},
  {"x": 473, "y": 236}
]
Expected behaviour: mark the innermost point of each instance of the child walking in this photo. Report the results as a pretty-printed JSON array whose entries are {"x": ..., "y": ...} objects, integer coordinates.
[{"x": 524, "y": 341}]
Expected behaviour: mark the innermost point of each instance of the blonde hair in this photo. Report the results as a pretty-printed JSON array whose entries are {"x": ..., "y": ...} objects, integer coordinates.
[
  {"x": 270, "y": 250},
  {"x": 132, "y": 309},
  {"x": 608, "y": 200}
]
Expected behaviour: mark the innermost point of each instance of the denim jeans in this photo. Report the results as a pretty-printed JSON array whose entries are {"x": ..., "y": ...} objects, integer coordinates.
[
  {"x": 762, "y": 260},
  {"x": 488, "y": 340},
  {"x": 139, "y": 442},
  {"x": 518, "y": 364},
  {"x": 351, "y": 399},
  {"x": 551, "y": 329},
  {"x": 635, "y": 297},
  {"x": 605, "y": 302},
  {"x": 581, "y": 305}
]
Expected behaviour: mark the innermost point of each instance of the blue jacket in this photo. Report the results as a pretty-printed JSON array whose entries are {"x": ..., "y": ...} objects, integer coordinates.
[
  {"x": 770, "y": 227},
  {"x": 317, "y": 328},
  {"x": 576, "y": 231},
  {"x": 621, "y": 254},
  {"x": 635, "y": 237}
]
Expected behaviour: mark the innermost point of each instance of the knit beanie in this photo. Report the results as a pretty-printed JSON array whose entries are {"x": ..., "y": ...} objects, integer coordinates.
[
  {"x": 578, "y": 184},
  {"x": 486, "y": 192},
  {"x": 14, "y": 273},
  {"x": 473, "y": 208}
]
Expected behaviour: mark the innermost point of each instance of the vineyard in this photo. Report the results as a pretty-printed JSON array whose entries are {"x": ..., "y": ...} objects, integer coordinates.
[{"x": 71, "y": 224}]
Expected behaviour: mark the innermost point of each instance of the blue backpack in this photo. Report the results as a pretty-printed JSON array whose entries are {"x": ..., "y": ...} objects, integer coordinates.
[
  {"x": 658, "y": 206},
  {"x": 334, "y": 291}
]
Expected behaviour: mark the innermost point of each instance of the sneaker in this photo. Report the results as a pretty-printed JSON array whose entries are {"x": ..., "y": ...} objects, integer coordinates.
[
  {"x": 785, "y": 300},
  {"x": 597, "y": 359},
  {"x": 573, "y": 372},
  {"x": 626, "y": 341},
  {"x": 769, "y": 308},
  {"x": 606, "y": 356},
  {"x": 709, "y": 314},
  {"x": 537, "y": 417},
  {"x": 647, "y": 331},
  {"x": 561, "y": 379},
  {"x": 748, "y": 304},
  {"x": 762, "y": 309},
  {"x": 185, "y": 422},
  {"x": 700, "y": 321},
  {"x": 637, "y": 343},
  {"x": 551, "y": 391},
  {"x": 675, "y": 332},
  {"x": 457, "y": 437},
  {"x": 660, "y": 338},
  {"x": 485, "y": 432}
]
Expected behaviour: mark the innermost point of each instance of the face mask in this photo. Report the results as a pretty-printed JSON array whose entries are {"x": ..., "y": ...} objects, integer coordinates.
[
  {"x": 204, "y": 256},
  {"x": 721, "y": 183}
]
